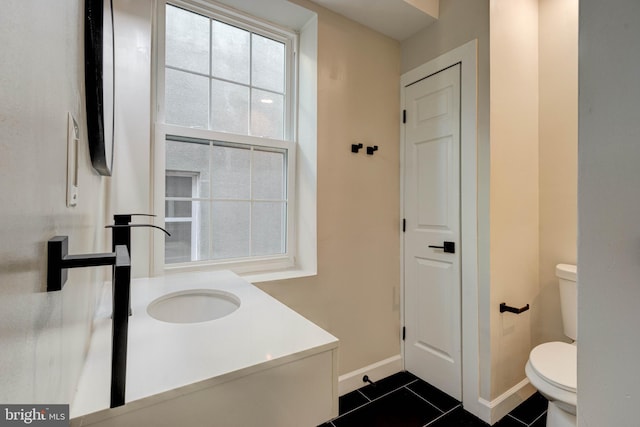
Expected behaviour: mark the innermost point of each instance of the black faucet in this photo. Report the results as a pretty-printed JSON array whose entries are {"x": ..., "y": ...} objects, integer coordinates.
[
  {"x": 121, "y": 229},
  {"x": 121, "y": 233},
  {"x": 59, "y": 261}
]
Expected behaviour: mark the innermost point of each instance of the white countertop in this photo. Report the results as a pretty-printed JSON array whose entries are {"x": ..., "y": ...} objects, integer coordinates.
[{"x": 167, "y": 359}]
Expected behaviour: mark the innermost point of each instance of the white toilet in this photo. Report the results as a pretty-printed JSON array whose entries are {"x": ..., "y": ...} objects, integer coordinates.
[{"x": 552, "y": 366}]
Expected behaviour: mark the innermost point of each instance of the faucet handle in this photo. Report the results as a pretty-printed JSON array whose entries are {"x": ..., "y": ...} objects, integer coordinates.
[{"x": 120, "y": 219}]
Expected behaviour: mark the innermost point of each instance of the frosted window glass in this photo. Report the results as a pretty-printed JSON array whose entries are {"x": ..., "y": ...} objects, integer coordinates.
[
  {"x": 203, "y": 230},
  {"x": 230, "y": 229},
  {"x": 177, "y": 247},
  {"x": 231, "y": 172},
  {"x": 267, "y": 114},
  {"x": 192, "y": 158},
  {"x": 267, "y": 65},
  {"x": 177, "y": 209},
  {"x": 187, "y": 41},
  {"x": 178, "y": 186},
  {"x": 268, "y": 228},
  {"x": 267, "y": 176},
  {"x": 186, "y": 99},
  {"x": 189, "y": 240},
  {"x": 230, "y": 52},
  {"x": 229, "y": 107}
]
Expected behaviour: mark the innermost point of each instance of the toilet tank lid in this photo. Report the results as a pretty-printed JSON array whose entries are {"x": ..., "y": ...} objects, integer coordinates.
[{"x": 567, "y": 271}]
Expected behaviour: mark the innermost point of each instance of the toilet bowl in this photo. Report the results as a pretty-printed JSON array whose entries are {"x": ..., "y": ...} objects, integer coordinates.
[
  {"x": 552, "y": 369},
  {"x": 552, "y": 366}
]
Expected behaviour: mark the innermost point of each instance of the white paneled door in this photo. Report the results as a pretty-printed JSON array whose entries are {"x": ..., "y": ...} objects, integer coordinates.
[{"x": 432, "y": 277}]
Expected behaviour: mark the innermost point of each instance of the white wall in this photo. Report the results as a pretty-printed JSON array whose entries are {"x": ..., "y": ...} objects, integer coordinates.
[
  {"x": 43, "y": 335},
  {"x": 609, "y": 214},
  {"x": 129, "y": 190}
]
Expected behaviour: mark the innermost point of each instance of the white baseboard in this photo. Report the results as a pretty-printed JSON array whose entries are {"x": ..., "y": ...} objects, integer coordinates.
[
  {"x": 376, "y": 371},
  {"x": 493, "y": 411}
]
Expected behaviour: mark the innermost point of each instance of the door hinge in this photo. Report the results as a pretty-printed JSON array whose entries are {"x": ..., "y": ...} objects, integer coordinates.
[
  {"x": 404, "y": 116},
  {"x": 404, "y": 225},
  {"x": 404, "y": 333}
]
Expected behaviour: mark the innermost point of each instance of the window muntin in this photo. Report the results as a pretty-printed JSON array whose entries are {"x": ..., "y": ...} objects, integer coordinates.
[
  {"x": 231, "y": 98},
  {"x": 222, "y": 77}
]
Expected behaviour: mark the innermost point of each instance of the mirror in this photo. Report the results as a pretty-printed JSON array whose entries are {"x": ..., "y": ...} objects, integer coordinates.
[{"x": 99, "y": 82}]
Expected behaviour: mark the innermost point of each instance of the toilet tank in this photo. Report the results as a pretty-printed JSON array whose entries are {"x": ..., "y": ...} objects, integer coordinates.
[{"x": 567, "y": 278}]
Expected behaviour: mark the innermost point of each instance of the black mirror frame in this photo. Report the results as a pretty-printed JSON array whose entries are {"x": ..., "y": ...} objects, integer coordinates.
[{"x": 99, "y": 93}]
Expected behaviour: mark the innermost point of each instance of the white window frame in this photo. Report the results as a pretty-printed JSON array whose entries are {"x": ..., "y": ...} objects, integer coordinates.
[{"x": 161, "y": 130}]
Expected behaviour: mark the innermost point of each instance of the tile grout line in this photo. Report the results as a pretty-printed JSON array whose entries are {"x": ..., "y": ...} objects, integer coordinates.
[
  {"x": 539, "y": 416},
  {"x": 363, "y": 395},
  {"x": 442, "y": 415},
  {"x": 411, "y": 391},
  {"x": 388, "y": 393},
  {"x": 518, "y": 420},
  {"x": 370, "y": 400}
]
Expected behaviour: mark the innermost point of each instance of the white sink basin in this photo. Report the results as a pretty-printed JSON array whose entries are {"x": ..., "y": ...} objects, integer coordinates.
[{"x": 193, "y": 306}]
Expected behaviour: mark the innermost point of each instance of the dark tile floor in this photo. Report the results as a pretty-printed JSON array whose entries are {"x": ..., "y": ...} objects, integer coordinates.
[{"x": 404, "y": 400}]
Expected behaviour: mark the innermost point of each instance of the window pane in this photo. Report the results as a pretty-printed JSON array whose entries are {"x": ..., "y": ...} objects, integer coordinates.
[
  {"x": 187, "y": 41},
  {"x": 267, "y": 175},
  {"x": 230, "y": 229},
  {"x": 177, "y": 209},
  {"x": 189, "y": 240},
  {"x": 231, "y": 172},
  {"x": 229, "y": 107},
  {"x": 230, "y": 58},
  {"x": 186, "y": 99},
  {"x": 268, "y": 228},
  {"x": 191, "y": 159},
  {"x": 267, "y": 114},
  {"x": 267, "y": 65},
  {"x": 178, "y": 186},
  {"x": 177, "y": 247}
]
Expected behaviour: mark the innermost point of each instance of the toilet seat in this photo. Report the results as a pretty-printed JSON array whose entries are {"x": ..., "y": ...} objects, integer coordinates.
[{"x": 556, "y": 363}]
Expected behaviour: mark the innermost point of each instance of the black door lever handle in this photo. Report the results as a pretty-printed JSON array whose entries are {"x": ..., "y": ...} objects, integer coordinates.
[{"x": 448, "y": 247}]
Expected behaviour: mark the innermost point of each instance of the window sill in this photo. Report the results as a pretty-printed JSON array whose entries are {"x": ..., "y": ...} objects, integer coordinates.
[
  {"x": 271, "y": 276},
  {"x": 266, "y": 270}
]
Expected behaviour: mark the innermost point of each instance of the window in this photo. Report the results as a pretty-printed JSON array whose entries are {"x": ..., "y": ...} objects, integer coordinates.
[{"x": 225, "y": 125}]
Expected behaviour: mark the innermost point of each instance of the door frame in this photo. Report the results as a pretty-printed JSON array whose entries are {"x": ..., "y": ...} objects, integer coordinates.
[{"x": 466, "y": 56}]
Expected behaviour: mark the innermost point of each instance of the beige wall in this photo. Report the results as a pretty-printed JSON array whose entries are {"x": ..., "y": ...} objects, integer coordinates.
[
  {"x": 514, "y": 185},
  {"x": 534, "y": 54},
  {"x": 558, "y": 115},
  {"x": 356, "y": 293},
  {"x": 43, "y": 335}
]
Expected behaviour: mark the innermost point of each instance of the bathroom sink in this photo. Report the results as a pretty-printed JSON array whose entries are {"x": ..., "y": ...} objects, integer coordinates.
[{"x": 193, "y": 306}]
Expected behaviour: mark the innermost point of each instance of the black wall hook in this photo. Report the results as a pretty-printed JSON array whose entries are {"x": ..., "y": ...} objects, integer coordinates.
[
  {"x": 371, "y": 150},
  {"x": 356, "y": 147}
]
